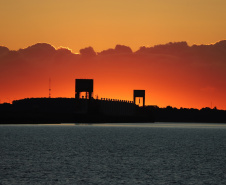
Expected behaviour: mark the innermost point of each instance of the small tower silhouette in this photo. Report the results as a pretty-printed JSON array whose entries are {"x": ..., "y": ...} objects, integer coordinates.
[{"x": 140, "y": 94}]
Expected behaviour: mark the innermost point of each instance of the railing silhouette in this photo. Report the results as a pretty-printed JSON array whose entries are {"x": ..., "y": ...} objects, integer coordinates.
[{"x": 116, "y": 100}]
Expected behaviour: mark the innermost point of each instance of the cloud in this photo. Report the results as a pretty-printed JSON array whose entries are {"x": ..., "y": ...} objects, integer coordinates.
[
  {"x": 107, "y": 52},
  {"x": 3, "y": 50},
  {"x": 119, "y": 49},
  {"x": 220, "y": 45},
  {"x": 123, "y": 49},
  {"x": 172, "y": 48},
  {"x": 64, "y": 51},
  {"x": 89, "y": 52},
  {"x": 39, "y": 50}
]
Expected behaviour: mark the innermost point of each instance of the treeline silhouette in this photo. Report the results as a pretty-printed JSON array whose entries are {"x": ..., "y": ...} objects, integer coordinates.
[{"x": 172, "y": 114}]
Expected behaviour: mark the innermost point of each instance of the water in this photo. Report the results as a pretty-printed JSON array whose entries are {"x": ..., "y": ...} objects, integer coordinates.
[{"x": 113, "y": 154}]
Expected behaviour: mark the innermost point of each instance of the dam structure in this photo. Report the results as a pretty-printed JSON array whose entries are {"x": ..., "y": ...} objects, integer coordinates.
[
  {"x": 103, "y": 106},
  {"x": 81, "y": 109}
]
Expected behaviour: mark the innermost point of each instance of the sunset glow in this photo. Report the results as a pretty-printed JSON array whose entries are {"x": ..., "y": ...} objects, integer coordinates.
[{"x": 186, "y": 74}]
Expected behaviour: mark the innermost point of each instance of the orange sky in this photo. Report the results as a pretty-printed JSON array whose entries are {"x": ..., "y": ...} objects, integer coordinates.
[{"x": 103, "y": 24}]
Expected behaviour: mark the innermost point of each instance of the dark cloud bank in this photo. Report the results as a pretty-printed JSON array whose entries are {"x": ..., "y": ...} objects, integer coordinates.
[
  {"x": 203, "y": 66},
  {"x": 45, "y": 51}
]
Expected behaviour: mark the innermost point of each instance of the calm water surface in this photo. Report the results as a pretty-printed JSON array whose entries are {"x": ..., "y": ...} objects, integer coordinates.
[{"x": 113, "y": 154}]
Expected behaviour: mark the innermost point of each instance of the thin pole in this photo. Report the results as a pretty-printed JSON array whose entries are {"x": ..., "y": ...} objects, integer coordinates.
[{"x": 49, "y": 87}]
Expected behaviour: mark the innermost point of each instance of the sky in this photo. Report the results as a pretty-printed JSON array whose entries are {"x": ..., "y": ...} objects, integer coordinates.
[{"x": 101, "y": 24}]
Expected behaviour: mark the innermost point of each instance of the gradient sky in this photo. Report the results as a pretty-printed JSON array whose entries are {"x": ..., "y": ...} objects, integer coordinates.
[{"x": 104, "y": 23}]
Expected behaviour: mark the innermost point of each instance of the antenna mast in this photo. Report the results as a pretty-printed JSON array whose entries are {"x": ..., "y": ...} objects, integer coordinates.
[{"x": 49, "y": 87}]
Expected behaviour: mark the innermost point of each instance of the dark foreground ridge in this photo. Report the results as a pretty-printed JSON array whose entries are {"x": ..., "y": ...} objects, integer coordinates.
[{"x": 71, "y": 110}]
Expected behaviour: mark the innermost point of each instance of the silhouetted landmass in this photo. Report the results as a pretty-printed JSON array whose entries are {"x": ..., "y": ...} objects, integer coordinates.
[{"x": 70, "y": 110}]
